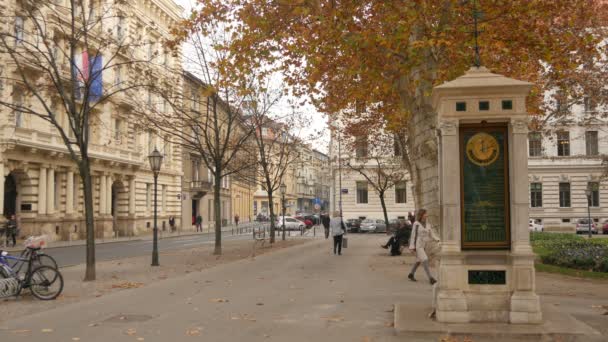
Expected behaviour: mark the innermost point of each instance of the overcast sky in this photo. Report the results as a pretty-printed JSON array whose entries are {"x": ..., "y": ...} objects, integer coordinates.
[{"x": 318, "y": 120}]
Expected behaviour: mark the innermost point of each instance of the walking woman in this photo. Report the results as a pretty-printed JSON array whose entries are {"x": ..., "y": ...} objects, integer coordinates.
[
  {"x": 336, "y": 225},
  {"x": 421, "y": 236}
]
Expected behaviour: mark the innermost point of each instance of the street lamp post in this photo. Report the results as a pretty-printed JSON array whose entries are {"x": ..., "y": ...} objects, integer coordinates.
[
  {"x": 283, "y": 189},
  {"x": 588, "y": 192},
  {"x": 156, "y": 159}
]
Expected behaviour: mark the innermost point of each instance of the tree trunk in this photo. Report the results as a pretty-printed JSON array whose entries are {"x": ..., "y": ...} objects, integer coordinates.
[
  {"x": 218, "y": 214},
  {"x": 383, "y": 204},
  {"x": 272, "y": 217},
  {"x": 85, "y": 176}
]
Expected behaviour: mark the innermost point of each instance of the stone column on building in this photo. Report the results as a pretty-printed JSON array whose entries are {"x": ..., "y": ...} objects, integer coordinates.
[
  {"x": 2, "y": 179},
  {"x": 42, "y": 190},
  {"x": 108, "y": 194},
  {"x": 132, "y": 197},
  {"x": 50, "y": 191},
  {"x": 102, "y": 194},
  {"x": 69, "y": 196}
]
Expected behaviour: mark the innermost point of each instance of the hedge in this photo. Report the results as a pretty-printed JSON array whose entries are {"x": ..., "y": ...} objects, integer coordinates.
[{"x": 572, "y": 251}]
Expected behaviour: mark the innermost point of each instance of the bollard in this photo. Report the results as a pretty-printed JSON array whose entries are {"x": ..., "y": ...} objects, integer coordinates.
[{"x": 314, "y": 231}]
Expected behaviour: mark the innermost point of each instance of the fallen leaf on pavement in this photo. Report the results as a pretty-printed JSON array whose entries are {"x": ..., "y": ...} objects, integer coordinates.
[
  {"x": 218, "y": 300},
  {"x": 127, "y": 285},
  {"x": 193, "y": 332},
  {"x": 140, "y": 338},
  {"x": 47, "y": 330},
  {"x": 75, "y": 338},
  {"x": 21, "y": 331},
  {"x": 93, "y": 324},
  {"x": 334, "y": 318},
  {"x": 366, "y": 339},
  {"x": 259, "y": 304},
  {"x": 130, "y": 332}
]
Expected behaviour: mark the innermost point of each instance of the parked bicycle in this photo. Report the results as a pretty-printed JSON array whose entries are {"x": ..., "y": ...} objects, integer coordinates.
[
  {"x": 33, "y": 250},
  {"x": 45, "y": 282}
]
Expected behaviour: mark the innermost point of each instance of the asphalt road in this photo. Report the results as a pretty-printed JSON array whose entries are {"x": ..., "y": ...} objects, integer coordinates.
[{"x": 74, "y": 255}]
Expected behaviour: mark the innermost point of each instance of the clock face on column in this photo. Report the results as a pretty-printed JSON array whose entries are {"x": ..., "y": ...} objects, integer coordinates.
[{"x": 482, "y": 149}]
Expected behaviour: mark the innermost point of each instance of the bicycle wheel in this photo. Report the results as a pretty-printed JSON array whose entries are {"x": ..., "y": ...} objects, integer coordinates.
[
  {"x": 46, "y": 283},
  {"x": 41, "y": 259}
]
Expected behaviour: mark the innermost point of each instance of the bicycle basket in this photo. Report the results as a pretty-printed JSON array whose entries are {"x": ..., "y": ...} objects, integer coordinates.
[{"x": 35, "y": 242}]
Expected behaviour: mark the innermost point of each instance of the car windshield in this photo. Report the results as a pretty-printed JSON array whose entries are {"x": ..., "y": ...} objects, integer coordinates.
[
  {"x": 368, "y": 221},
  {"x": 583, "y": 221}
]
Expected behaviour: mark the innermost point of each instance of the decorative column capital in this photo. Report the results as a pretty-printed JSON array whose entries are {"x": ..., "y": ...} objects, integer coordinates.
[
  {"x": 448, "y": 127},
  {"x": 519, "y": 126}
]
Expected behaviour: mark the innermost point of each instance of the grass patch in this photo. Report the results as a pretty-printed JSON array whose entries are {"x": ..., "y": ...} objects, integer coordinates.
[{"x": 540, "y": 267}]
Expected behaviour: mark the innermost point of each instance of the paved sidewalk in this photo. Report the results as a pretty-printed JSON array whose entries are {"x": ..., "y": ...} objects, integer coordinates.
[{"x": 303, "y": 293}]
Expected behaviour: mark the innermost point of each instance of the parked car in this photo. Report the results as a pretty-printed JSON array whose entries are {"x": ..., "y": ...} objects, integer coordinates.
[
  {"x": 605, "y": 227},
  {"x": 291, "y": 223},
  {"x": 353, "y": 225},
  {"x": 582, "y": 227},
  {"x": 373, "y": 226},
  {"x": 535, "y": 225}
]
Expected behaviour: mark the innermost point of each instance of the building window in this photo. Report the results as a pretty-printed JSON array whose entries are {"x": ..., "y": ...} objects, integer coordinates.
[
  {"x": 19, "y": 30},
  {"x": 361, "y": 147},
  {"x": 536, "y": 195},
  {"x": 18, "y": 112},
  {"x": 151, "y": 49},
  {"x": 535, "y": 144},
  {"x": 461, "y": 106},
  {"x": 564, "y": 195},
  {"x": 401, "y": 192},
  {"x": 164, "y": 198},
  {"x": 57, "y": 189},
  {"x": 195, "y": 174},
  {"x": 150, "y": 142},
  {"x": 119, "y": 27},
  {"x": 588, "y": 104},
  {"x": 117, "y": 129},
  {"x": 563, "y": 144},
  {"x": 117, "y": 75},
  {"x": 566, "y": 220},
  {"x": 148, "y": 196},
  {"x": 76, "y": 192},
  {"x": 484, "y": 105},
  {"x": 507, "y": 104},
  {"x": 591, "y": 144},
  {"x": 362, "y": 192},
  {"x": 594, "y": 199}
]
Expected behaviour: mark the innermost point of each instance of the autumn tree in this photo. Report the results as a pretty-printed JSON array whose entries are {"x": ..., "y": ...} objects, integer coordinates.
[
  {"x": 55, "y": 58},
  {"x": 206, "y": 117},
  {"x": 277, "y": 141},
  {"x": 390, "y": 55},
  {"x": 375, "y": 155}
]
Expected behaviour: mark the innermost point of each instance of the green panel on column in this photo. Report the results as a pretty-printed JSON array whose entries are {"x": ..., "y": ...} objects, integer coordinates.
[{"x": 485, "y": 187}]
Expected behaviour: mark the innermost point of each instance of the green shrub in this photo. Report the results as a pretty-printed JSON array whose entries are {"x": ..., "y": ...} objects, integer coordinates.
[{"x": 575, "y": 253}]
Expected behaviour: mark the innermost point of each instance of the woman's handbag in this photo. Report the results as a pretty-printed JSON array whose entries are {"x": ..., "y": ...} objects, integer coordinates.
[{"x": 344, "y": 242}]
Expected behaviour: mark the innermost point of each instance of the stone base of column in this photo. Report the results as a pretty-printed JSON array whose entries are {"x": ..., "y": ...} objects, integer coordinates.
[{"x": 487, "y": 286}]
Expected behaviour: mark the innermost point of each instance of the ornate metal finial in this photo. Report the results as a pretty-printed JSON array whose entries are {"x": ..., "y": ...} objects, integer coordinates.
[{"x": 477, "y": 14}]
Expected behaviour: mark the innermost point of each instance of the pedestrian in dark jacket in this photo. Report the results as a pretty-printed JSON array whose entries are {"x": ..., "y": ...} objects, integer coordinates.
[
  {"x": 199, "y": 223},
  {"x": 325, "y": 221},
  {"x": 11, "y": 230}
]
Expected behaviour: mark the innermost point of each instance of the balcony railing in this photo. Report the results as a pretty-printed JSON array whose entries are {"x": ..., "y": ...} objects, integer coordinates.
[{"x": 200, "y": 185}]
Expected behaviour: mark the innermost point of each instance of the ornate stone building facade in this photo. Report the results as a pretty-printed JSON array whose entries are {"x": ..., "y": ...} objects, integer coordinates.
[{"x": 41, "y": 183}]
